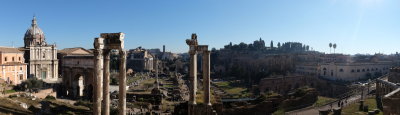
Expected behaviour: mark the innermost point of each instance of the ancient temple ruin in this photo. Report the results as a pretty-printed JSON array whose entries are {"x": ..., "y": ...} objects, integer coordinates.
[
  {"x": 194, "y": 49},
  {"x": 103, "y": 45}
]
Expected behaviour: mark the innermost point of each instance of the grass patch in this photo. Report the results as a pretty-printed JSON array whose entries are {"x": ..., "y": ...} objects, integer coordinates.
[
  {"x": 10, "y": 91},
  {"x": 222, "y": 84},
  {"x": 280, "y": 111},
  {"x": 236, "y": 90},
  {"x": 323, "y": 100},
  {"x": 353, "y": 108}
]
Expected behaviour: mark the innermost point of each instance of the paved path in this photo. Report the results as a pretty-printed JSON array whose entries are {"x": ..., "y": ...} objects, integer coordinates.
[{"x": 315, "y": 110}]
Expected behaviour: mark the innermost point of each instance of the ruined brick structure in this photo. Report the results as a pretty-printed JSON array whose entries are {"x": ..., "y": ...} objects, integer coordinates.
[
  {"x": 283, "y": 84},
  {"x": 388, "y": 93}
]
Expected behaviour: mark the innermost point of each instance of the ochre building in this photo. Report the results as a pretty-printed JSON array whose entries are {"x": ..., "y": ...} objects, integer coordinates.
[{"x": 12, "y": 67}]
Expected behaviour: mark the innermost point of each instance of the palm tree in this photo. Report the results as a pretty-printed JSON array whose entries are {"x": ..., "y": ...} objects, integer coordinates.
[
  {"x": 330, "y": 47},
  {"x": 334, "y": 47}
]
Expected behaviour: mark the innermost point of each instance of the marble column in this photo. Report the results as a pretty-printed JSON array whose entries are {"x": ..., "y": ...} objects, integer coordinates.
[
  {"x": 206, "y": 77},
  {"x": 97, "y": 78},
  {"x": 193, "y": 81},
  {"x": 106, "y": 83},
  {"x": 122, "y": 82}
]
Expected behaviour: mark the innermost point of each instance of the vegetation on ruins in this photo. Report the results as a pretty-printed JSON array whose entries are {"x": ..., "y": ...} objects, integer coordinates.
[{"x": 30, "y": 84}]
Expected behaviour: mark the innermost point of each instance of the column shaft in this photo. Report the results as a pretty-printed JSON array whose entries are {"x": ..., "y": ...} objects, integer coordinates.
[
  {"x": 97, "y": 84},
  {"x": 206, "y": 77},
  {"x": 193, "y": 78},
  {"x": 106, "y": 83},
  {"x": 193, "y": 82},
  {"x": 122, "y": 82}
]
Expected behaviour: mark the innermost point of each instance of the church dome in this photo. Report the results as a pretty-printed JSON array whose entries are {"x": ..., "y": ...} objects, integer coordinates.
[{"x": 34, "y": 35}]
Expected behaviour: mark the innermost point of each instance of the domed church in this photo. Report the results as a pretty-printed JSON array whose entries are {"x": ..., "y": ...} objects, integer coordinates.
[{"x": 40, "y": 56}]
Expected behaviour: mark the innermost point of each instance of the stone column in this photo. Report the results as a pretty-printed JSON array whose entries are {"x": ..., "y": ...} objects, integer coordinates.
[
  {"x": 377, "y": 88},
  {"x": 193, "y": 81},
  {"x": 97, "y": 78},
  {"x": 157, "y": 82},
  {"x": 106, "y": 83},
  {"x": 122, "y": 82},
  {"x": 206, "y": 77}
]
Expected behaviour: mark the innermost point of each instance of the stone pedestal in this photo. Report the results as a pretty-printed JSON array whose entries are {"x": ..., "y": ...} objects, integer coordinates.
[
  {"x": 323, "y": 112},
  {"x": 361, "y": 107},
  {"x": 337, "y": 111}
]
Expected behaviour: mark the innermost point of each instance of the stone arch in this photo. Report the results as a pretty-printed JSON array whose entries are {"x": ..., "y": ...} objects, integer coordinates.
[{"x": 78, "y": 85}]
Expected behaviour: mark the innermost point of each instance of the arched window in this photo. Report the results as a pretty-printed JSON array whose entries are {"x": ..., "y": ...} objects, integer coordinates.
[
  {"x": 341, "y": 70},
  {"x": 358, "y": 70},
  {"x": 12, "y": 59},
  {"x": 352, "y": 70},
  {"x": 5, "y": 59},
  {"x": 363, "y": 70}
]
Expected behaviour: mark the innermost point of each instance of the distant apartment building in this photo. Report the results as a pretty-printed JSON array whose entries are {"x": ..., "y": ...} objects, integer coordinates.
[
  {"x": 140, "y": 60},
  {"x": 13, "y": 69},
  {"x": 353, "y": 71},
  {"x": 343, "y": 67}
]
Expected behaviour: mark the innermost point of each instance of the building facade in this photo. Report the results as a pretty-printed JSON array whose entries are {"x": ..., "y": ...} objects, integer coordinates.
[
  {"x": 13, "y": 70},
  {"x": 353, "y": 71},
  {"x": 41, "y": 57},
  {"x": 140, "y": 60}
]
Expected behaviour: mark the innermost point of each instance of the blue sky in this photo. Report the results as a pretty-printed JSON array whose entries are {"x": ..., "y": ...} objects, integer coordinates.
[{"x": 356, "y": 26}]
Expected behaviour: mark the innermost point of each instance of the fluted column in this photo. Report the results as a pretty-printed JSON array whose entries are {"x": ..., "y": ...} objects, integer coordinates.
[
  {"x": 97, "y": 84},
  {"x": 206, "y": 77},
  {"x": 122, "y": 82},
  {"x": 106, "y": 83}
]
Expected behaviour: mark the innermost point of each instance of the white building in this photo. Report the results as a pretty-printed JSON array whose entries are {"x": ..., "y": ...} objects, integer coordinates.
[
  {"x": 353, "y": 71},
  {"x": 41, "y": 57}
]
